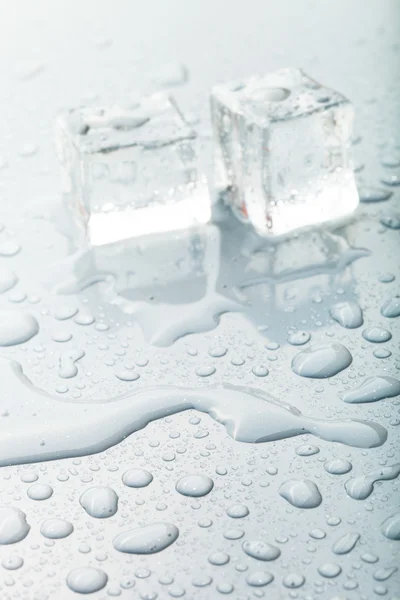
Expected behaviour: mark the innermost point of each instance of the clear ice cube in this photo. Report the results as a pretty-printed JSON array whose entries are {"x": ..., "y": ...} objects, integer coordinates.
[
  {"x": 132, "y": 171},
  {"x": 282, "y": 157}
]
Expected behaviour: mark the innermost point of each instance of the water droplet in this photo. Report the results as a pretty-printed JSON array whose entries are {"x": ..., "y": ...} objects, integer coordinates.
[
  {"x": 13, "y": 562},
  {"x": 237, "y": 511},
  {"x": 307, "y": 450},
  {"x": 374, "y": 389},
  {"x": 261, "y": 550},
  {"x": 8, "y": 280},
  {"x": 218, "y": 558},
  {"x": 218, "y": 351},
  {"x": 194, "y": 485},
  {"x": 293, "y": 580},
  {"x": 382, "y": 353},
  {"x": 259, "y": 578},
  {"x": 392, "y": 179},
  {"x": 126, "y": 375},
  {"x": 373, "y": 194},
  {"x": 148, "y": 539},
  {"x": 369, "y": 558},
  {"x": 233, "y": 534},
  {"x": 39, "y": 491},
  {"x": 225, "y": 588},
  {"x": 9, "y": 248},
  {"x": 67, "y": 366},
  {"x": 345, "y": 543},
  {"x": 391, "y": 221},
  {"x": 338, "y": 466},
  {"x": 137, "y": 478},
  {"x": 99, "y": 502},
  {"x": 260, "y": 371},
  {"x": 329, "y": 570},
  {"x": 384, "y": 574},
  {"x": 301, "y": 493},
  {"x": 205, "y": 371},
  {"x": 347, "y": 314},
  {"x": 298, "y": 338},
  {"x": 65, "y": 312},
  {"x": 376, "y": 335},
  {"x": 202, "y": 581},
  {"x": 56, "y": 529},
  {"x": 16, "y": 327},
  {"x": 391, "y": 308},
  {"x": 391, "y": 527},
  {"x": 13, "y": 525},
  {"x": 321, "y": 361},
  {"x": 317, "y": 534},
  {"x": 86, "y": 580},
  {"x": 361, "y": 487}
]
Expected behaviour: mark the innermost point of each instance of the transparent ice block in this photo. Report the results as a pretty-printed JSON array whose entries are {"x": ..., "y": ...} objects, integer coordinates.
[
  {"x": 282, "y": 157},
  {"x": 131, "y": 171}
]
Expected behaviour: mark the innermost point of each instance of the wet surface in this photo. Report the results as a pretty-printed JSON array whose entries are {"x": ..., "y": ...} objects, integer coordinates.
[{"x": 203, "y": 414}]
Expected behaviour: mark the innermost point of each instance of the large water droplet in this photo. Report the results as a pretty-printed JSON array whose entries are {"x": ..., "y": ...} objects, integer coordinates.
[
  {"x": 338, "y": 466},
  {"x": 361, "y": 487},
  {"x": 259, "y": 578},
  {"x": 16, "y": 327},
  {"x": 373, "y": 389},
  {"x": 391, "y": 221},
  {"x": 299, "y": 338},
  {"x": 373, "y": 194},
  {"x": 329, "y": 570},
  {"x": 195, "y": 485},
  {"x": 137, "y": 478},
  {"x": 13, "y": 562},
  {"x": 148, "y": 539},
  {"x": 376, "y": 335},
  {"x": 13, "y": 525},
  {"x": 391, "y": 527},
  {"x": 301, "y": 493},
  {"x": 347, "y": 314},
  {"x": 237, "y": 511},
  {"x": 40, "y": 491},
  {"x": 56, "y": 529},
  {"x": 321, "y": 361},
  {"x": 391, "y": 308},
  {"x": 8, "y": 280},
  {"x": 99, "y": 502},
  {"x": 86, "y": 580},
  {"x": 346, "y": 543}
]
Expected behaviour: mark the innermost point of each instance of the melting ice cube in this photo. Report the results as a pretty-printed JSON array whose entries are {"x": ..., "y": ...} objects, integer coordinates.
[
  {"x": 282, "y": 151},
  {"x": 132, "y": 171}
]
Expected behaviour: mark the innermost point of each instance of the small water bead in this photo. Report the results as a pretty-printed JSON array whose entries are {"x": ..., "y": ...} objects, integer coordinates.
[
  {"x": 237, "y": 361},
  {"x": 376, "y": 335},
  {"x": 317, "y": 534},
  {"x": 202, "y": 581},
  {"x": 16, "y": 327},
  {"x": 261, "y": 550},
  {"x": 392, "y": 179},
  {"x": 137, "y": 478},
  {"x": 194, "y": 486},
  {"x": 373, "y": 194},
  {"x": 225, "y": 588},
  {"x": 12, "y": 562},
  {"x": 384, "y": 574},
  {"x": 166, "y": 580},
  {"x": 126, "y": 375},
  {"x": 307, "y": 450},
  {"x": 387, "y": 277},
  {"x": 8, "y": 279},
  {"x": 39, "y": 491},
  {"x": 391, "y": 308},
  {"x": 322, "y": 361},
  {"x": 346, "y": 543},
  {"x": 301, "y": 493},
  {"x": 233, "y": 534},
  {"x": 218, "y": 351},
  {"x": 299, "y": 338},
  {"x": 29, "y": 477},
  {"x": 260, "y": 371},
  {"x": 329, "y": 570},
  {"x": 9, "y": 248},
  {"x": 148, "y": 539},
  {"x": 56, "y": 529},
  {"x": 382, "y": 353},
  {"x": 205, "y": 371},
  {"x": 84, "y": 548},
  {"x": 391, "y": 527},
  {"x": 259, "y": 578},
  {"x": 369, "y": 558},
  {"x": 84, "y": 319},
  {"x": 374, "y": 389},
  {"x": 100, "y": 502},
  {"x": 338, "y": 466},
  {"x": 64, "y": 312},
  {"x": 293, "y": 580},
  {"x": 205, "y": 523},
  {"x": 86, "y": 580},
  {"x": 391, "y": 221},
  {"x": 237, "y": 511},
  {"x": 219, "y": 558},
  {"x": 176, "y": 592},
  {"x": 61, "y": 336}
]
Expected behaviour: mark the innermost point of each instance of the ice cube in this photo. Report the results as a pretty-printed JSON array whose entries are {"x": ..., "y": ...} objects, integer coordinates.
[
  {"x": 282, "y": 151},
  {"x": 132, "y": 171}
]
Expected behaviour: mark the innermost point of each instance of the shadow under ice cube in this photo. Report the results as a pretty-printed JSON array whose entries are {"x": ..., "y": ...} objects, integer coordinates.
[
  {"x": 131, "y": 171},
  {"x": 282, "y": 156}
]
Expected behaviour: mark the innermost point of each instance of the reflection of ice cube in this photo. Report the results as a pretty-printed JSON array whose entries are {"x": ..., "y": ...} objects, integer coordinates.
[
  {"x": 282, "y": 151},
  {"x": 133, "y": 171}
]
